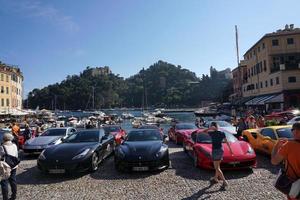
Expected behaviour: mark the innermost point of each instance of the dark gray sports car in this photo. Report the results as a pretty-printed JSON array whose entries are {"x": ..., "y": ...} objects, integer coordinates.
[
  {"x": 84, "y": 150},
  {"x": 142, "y": 150}
]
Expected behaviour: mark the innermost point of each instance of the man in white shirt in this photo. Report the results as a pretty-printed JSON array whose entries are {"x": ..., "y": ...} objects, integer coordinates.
[{"x": 12, "y": 150}]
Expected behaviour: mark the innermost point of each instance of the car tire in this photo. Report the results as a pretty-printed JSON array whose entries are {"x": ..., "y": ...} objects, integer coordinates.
[
  {"x": 195, "y": 158},
  {"x": 176, "y": 140},
  {"x": 94, "y": 162},
  {"x": 119, "y": 167},
  {"x": 184, "y": 148}
]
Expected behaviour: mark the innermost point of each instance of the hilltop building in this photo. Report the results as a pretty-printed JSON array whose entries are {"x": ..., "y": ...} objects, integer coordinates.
[
  {"x": 98, "y": 71},
  {"x": 272, "y": 79},
  {"x": 11, "y": 88}
]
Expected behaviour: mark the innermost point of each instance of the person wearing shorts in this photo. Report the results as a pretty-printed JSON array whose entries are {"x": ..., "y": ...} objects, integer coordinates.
[{"x": 217, "y": 138}]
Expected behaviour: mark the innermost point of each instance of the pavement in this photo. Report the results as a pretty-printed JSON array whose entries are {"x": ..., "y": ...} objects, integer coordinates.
[{"x": 181, "y": 181}]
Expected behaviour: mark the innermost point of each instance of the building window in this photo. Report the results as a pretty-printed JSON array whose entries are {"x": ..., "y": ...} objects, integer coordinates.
[
  {"x": 2, "y": 89},
  {"x": 292, "y": 79},
  {"x": 271, "y": 82},
  {"x": 2, "y": 102},
  {"x": 261, "y": 85},
  {"x": 7, "y": 90},
  {"x": 256, "y": 85},
  {"x": 290, "y": 41},
  {"x": 266, "y": 83},
  {"x": 277, "y": 80},
  {"x": 258, "y": 49},
  {"x": 265, "y": 65},
  {"x": 263, "y": 45},
  {"x": 2, "y": 77},
  {"x": 7, "y": 78},
  {"x": 275, "y": 42},
  {"x": 7, "y": 102}
]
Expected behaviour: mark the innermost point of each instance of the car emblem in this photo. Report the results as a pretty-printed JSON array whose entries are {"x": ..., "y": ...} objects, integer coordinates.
[
  {"x": 56, "y": 160},
  {"x": 140, "y": 157}
]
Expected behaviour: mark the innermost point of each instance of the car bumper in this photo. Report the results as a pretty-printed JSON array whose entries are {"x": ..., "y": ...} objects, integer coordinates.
[
  {"x": 66, "y": 166},
  {"x": 32, "y": 149},
  {"x": 230, "y": 165},
  {"x": 150, "y": 165}
]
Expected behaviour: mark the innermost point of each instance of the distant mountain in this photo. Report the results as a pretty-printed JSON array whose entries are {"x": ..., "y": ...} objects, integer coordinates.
[{"x": 161, "y": 85}]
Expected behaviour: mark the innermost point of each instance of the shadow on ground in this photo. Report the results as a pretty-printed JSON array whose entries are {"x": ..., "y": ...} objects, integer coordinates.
[
  {"x": 264, "y": 162},
  {"x": 33, "y": 176},
  {"x": 183, "y": 166},
  {"x": 107, "y": 171}
]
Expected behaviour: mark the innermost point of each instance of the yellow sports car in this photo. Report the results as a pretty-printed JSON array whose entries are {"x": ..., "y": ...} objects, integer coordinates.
[{"x": 264, "y": 139}]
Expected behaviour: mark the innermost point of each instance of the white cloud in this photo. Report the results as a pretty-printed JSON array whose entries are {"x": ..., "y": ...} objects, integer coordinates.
[{"x": 34, "y": 8}]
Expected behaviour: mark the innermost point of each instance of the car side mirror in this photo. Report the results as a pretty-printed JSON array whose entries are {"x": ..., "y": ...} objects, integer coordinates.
[{"x": 63, "y": 140}]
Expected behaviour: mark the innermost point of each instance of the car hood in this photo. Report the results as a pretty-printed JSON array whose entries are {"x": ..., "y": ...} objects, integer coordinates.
[
  {"x": 66, "y": 151},
  {"x": 239, "y": 148},
  {"x": 42, "y": 140},
  {"x": 144, "y": 149}
]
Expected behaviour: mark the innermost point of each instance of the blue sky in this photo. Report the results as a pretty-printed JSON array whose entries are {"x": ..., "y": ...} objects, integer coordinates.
[{"x": 49, "y": 40}]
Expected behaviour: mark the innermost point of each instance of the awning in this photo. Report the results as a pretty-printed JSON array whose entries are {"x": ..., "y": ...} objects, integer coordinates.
[
  {"x": 241, "y": 101},
  {"x": 261, "y": 100},
  {"x": 277, "y": 99}
]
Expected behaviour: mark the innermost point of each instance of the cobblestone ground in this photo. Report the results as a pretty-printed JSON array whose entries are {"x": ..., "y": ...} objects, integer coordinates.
[{"x": 180, "y": 181}]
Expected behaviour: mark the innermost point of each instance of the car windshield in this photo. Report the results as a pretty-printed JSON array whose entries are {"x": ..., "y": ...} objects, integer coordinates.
[
  {"x": 284, "y": 133},
  {"x": 144, "y": 135},
  {"x": 83, "y": 136},
  {"x": 55, "y": 132},
  {"x": 185, "y": 126},
  {"x": 148, "y": 127},
  {"x": 111, "y": 129},
  {"x": 223, "y": 124},
  {"x": 205, "y": 138}
]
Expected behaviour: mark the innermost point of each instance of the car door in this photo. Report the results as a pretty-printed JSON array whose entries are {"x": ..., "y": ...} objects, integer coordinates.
[
  {"x": 107, "y": 141},
  {"x": 268, "y": 139},
  {"x": 190, "y": 143}
]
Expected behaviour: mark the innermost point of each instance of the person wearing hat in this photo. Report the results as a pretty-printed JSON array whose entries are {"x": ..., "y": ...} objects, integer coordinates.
[
  {"x": 288, "y": 151},
  {"x": 12, "y": 150}
]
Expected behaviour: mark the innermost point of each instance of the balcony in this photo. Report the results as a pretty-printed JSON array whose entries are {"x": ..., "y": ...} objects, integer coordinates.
[{"x": 284, "y": 62}]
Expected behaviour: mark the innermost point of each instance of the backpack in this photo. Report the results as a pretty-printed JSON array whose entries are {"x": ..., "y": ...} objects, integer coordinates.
[
  {"x": 5, "y": 170},
  {"x": 12, "y": 161}
]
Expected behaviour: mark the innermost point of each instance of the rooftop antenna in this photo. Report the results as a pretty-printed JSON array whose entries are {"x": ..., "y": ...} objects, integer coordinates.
[{"x": 237, "y": 45}]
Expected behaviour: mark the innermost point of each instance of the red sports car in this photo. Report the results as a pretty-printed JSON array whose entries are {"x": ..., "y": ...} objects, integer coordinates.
[
  {"x": 199, "y": 147},
  {"x": 116, "y": 131},
  {"x": 181, "y": 131}
]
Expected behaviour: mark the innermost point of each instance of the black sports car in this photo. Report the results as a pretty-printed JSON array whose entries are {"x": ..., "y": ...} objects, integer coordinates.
[
  {"x": 142, "y": 150},
  {"x": 81, "y": 151}
]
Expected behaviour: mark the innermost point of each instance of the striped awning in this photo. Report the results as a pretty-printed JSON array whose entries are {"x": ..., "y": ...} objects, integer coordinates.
[{"x": 261, "y": 100}]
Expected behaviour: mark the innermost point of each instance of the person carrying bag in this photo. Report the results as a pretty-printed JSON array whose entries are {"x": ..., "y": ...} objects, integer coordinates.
[
  {"x": 287, "y": 151},
  {"x": 8, "y": 166}
]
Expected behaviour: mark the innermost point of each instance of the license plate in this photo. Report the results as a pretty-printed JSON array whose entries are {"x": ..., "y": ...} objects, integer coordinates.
[
  {"x": 234, "y": 163},
  {"x": 57, "y": 171},
  {"x": 140, "y": 169}
]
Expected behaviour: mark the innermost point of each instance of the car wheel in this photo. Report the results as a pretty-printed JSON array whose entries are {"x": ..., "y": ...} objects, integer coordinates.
[
  {"x": 184, "y": 147},
  {"x": 118, "y": 167},
  {"x": 176, "y": 140},
  {"x": 195, "y": 160},
  {"x": 94, "y": 162}
]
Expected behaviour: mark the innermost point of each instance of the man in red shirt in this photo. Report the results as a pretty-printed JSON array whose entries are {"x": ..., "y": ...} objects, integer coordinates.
[{"x": 288, "y": 151}]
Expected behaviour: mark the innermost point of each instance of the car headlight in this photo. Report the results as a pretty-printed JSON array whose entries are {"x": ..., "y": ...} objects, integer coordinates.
[
  {"x": 161, "y": 151},
  {"x": 42, "y": 156},
  {"x": 250, "y": 150},
  {"x": 81, "y": 155}
]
